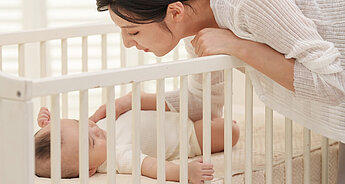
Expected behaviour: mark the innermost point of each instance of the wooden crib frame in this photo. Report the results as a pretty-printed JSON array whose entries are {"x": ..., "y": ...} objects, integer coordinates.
[{"x": 16, "y": 110}]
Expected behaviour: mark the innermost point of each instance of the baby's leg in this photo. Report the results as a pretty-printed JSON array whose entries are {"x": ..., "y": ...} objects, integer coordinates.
[{"x": 217, "y": 134}]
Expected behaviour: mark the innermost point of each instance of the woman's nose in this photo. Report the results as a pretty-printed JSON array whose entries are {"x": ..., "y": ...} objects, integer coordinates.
[{"x": 128, "y": 42}]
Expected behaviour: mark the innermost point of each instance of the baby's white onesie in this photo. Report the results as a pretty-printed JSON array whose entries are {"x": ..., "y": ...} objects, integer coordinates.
[{"x": 148, "y": 139}]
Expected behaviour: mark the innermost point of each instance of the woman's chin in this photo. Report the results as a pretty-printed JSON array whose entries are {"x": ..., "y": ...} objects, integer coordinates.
[{"x": 160, "y": 54}]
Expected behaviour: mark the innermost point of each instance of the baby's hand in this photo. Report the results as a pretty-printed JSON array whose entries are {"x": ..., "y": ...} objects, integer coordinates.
[
  {"x": 43, "y": 118},
  {"x": 198, "y": 172}
]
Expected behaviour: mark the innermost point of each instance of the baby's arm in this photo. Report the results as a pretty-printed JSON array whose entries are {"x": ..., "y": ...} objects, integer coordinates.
[
  {"x": 124, "y": 104},
  {"x": 197, "y": 171}
]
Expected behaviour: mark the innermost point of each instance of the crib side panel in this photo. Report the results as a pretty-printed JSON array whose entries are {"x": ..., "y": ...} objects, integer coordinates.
[{"x": 16, "y": 142}]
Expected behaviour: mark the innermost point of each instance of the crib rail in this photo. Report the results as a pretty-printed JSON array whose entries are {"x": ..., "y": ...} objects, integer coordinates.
[
  {"x": 17, "y": 93},
  {"x": 83, "y": 81},
  {"x": 17, "y": 87},
  {"x": 43, "y": 35}
]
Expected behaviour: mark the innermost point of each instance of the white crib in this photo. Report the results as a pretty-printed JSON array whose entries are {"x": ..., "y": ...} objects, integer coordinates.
[{"x": 16, "y": 110}]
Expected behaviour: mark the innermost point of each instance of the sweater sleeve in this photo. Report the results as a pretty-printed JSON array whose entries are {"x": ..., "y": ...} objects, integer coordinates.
[
  {"x": 172, "y": 99},
  {"x": 318, "y": 74}
]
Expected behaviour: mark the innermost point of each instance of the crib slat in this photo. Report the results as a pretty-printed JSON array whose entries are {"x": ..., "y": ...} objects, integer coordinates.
[
  {"x": 176, "y": 57},
  {"x": 123, "y": 57},
  {"x": 228, "y": 125},
  {"x": 64, "y": 71},
  {"x": 140, "y": 58},
  {"x": 306, "y": 155},
  {"x": 104, "y": 64},
  {"x": 0, "y": 58},
  {"x": 136, "y": 106},
  {"x": 288, "y": 151},
  {"x": 43, "y": 65},
  {"x": 161, "y": 130},
  {"x": 104, "y": 52},
  {"x": 21, "y": 60},
  {"x": 269, "y": 144},
  {"x": 158, "y": 59},
  {"x": 111, "y": 135},
  {"x": 141, "y": 62},
  {"x": 84, "y": 53},
  {"x": 206, "y": 118},
  {"x": 57, "y": 33},
  {"x": 83, "y": 138},
  {"x": 324, "y": 148},
  {"x": 249, "y": 129},
  {"x": 55, "y": 140},
  {"x": 184, "y": 129}
]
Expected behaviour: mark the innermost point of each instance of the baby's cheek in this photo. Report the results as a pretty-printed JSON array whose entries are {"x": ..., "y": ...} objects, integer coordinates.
[{"x": 104, "y": 146}]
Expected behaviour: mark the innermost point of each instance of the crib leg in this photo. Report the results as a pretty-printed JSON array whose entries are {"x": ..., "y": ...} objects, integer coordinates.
[
  {"x": 16, "y": 142},
  {"x": 341, "y": 164}
]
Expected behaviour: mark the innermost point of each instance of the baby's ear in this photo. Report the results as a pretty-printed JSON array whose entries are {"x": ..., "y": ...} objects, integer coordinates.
[{"x": 43, "y": 117}]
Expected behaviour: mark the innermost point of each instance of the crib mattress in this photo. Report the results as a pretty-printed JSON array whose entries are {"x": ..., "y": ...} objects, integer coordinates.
[{"x": 258, "y": 158}]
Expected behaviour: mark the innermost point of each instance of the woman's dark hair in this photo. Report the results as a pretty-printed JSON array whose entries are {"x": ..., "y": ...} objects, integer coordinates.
[{"x": 138, "y": 11}]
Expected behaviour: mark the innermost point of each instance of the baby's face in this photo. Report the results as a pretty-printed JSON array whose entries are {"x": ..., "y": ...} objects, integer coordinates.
[{"x": 70, "y": 146}]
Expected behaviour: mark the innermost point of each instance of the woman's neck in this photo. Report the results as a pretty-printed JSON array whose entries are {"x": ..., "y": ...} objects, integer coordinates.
[{"x": 200, "y": 16}]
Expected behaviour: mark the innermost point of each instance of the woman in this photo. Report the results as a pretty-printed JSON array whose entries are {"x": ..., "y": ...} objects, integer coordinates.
[{"x": 298, "y": 44}]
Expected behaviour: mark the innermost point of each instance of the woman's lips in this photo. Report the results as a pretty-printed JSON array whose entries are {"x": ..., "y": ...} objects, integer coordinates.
[{"x": 146, "y": 50}]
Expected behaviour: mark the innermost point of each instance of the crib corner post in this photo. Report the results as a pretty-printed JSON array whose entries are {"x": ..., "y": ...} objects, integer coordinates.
[{"x": 16, "y": 142}]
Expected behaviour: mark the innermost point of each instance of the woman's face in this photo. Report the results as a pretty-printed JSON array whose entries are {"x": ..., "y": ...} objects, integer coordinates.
[{"x": 151, "y": 37}]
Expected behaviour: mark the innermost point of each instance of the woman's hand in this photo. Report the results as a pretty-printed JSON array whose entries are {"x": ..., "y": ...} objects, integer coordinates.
[
  {"x": 214, "y": 41},
  {"x": 122, "y": 105}
]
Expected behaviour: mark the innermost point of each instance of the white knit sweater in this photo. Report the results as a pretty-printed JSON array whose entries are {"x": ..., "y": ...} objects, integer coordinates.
[{"x": 312, "y": 32}]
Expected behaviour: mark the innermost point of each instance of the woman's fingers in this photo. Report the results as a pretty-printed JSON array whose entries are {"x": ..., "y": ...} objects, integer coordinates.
[{"x": 213, "y": 41}]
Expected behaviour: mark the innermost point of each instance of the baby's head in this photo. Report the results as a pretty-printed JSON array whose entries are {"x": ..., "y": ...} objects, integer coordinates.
[{"x": 69, "y": 149}]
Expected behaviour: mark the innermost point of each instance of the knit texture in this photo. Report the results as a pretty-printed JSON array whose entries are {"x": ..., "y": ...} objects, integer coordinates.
[{"x": 312, "y": 32}]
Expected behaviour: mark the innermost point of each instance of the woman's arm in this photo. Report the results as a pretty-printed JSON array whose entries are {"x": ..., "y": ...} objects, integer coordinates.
[
  {"x": 124, "y": 104},
  {"x": 269, "y": 62},
  {"x": 317, "y": 72},
  {"x": 148, "y": 102},
  {"x": 213, "y": 41}
]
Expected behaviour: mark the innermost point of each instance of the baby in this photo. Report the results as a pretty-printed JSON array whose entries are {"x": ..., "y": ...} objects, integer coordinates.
[{"x": 197, "y": 170}]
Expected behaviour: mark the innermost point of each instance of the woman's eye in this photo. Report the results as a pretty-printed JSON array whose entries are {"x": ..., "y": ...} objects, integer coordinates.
[{"x": 133, "y": 34}]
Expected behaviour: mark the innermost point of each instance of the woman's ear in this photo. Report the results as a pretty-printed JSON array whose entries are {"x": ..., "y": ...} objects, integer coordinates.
[{"x": 175, "y": 12}]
